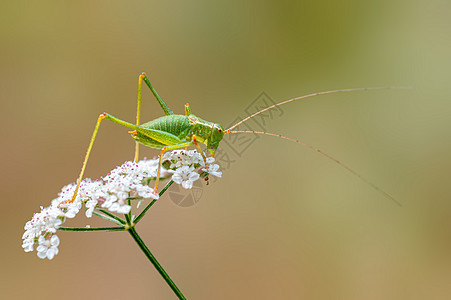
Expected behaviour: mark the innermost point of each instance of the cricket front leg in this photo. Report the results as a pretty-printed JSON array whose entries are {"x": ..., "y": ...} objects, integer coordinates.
[{"x": 194, "y": 139}]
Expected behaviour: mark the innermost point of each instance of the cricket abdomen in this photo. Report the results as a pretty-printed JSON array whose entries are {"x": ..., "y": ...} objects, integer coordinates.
[{"x": 174, "y": 124}]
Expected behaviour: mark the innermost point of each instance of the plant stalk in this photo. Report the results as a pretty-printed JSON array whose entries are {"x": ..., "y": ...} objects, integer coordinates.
[{"x": 155, "y": 263}]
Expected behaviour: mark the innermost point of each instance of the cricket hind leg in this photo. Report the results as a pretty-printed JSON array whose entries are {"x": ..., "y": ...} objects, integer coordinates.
[
  {"x": 166, "y": 109},
  {"x": 138, "y": 112},
  {"x": 91, "y": 144},
  {"x": 164, "y": 106}
]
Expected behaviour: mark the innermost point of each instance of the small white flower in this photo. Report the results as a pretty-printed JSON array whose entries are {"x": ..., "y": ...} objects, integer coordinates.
[
  {"x": 185, "y": 176},
  {"x": 90, "y": 205},
  {"x": 209, "y": 160},
  {"x": 53, "y": 224},
  {"x": 48, "y": 248},
  {"x": 213, "y": 170},
  {"x": 145, "y": 192}
]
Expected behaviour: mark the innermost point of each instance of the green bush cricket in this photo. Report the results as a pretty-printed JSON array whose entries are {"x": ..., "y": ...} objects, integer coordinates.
[{"x": 174, "y": 131}]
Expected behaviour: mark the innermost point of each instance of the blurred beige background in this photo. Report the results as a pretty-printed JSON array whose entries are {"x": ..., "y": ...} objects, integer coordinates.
[{"x": 284, "y": 222}]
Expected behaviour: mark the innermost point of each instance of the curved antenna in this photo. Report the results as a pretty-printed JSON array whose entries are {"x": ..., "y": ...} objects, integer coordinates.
[
  {"x": 384, "y": 193},
  {"x": 316, "y": 94}
]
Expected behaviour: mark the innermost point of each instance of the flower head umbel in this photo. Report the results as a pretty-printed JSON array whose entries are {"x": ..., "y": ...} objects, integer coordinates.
[
  {"x": 188, "y": 165},
  {"x": 113, "y": 192}
]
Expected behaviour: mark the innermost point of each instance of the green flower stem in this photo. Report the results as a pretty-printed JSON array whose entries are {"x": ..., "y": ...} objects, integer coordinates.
[
  {"x": 138, "y": 218},
  {"x": 112, "y": 216},
  {"x": 166, "y": 187},
  {"x": 92, "y": 229},
  {"x": 127, "y": 218},
  {"x": 108, "y": 218},
  {"x": 155, "y": 263}
]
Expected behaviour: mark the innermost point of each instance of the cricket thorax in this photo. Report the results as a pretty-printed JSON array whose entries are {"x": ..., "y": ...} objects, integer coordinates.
[
  {"x": 201, "y": 128},
  {"x": 207, "y": 132}
]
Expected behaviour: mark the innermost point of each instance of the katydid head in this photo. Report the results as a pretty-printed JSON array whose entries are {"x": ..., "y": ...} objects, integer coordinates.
[{"x": 217, "y": 133}]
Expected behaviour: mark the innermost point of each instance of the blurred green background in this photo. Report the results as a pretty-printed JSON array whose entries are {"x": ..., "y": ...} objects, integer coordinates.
[{"x": 284, "y": 222}]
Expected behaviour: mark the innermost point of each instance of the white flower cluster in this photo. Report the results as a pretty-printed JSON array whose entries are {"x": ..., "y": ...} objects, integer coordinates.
[
  {"x": 187, "y": 165},
  {"x": 111, "y": 193},
  {"x": 128, "y": 181}
]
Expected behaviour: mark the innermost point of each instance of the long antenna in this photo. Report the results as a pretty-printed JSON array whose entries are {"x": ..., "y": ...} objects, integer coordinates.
[
  {"x": 385, "y": 194},
  {"x": 316, "y": 94}
]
